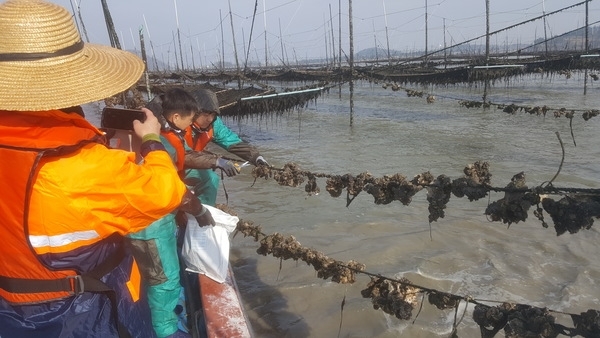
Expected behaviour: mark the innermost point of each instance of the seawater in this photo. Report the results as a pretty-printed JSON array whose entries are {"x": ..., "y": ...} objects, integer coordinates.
[{"x": 463, "y": 253}]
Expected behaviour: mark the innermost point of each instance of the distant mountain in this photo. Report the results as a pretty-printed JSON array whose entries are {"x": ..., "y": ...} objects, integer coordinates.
[
  {"x": 574, "y": 40},
  {"x": 376, "y": 53}
]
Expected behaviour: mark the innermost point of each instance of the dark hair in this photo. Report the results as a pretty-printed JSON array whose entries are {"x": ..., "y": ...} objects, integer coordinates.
[{"x": 177, "y": 100}]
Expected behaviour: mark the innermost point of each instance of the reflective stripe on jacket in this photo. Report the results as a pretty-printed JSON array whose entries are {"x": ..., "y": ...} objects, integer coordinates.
[{"x": 65, "y": 193}]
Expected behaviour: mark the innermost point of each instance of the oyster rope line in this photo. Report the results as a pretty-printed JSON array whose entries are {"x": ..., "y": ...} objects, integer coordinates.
[
  {"x": 398, "y": 297},
  {"x": 575, "y": 211},
  {"x": 507, "y": 108}
]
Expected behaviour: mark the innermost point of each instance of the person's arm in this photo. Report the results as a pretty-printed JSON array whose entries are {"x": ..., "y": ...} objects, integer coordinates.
[
  {"x": 151, "y": 143},
  {"x": 200, "y": 160},
  {"x": 246, "y": 151},
  {"x": 230, "y": 141}
]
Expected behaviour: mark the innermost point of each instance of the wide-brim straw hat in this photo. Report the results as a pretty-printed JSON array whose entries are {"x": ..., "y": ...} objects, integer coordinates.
[{"x": 44, "y": 64}]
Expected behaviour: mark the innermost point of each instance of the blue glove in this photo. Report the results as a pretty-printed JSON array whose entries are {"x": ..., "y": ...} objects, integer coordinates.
[
  {"x": 227, "y": 166},
  {"x": 261, "y": 161}
]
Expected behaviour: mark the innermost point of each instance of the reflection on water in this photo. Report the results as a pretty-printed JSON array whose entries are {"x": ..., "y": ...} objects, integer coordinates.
[{"x": 465, "y": 255}]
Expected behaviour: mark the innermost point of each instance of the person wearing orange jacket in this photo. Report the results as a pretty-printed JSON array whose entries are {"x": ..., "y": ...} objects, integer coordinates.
[
  {"x": 156, "y": 245},
  {"x": 208, "y": 127},
  {"x": 69, "y": 200}
]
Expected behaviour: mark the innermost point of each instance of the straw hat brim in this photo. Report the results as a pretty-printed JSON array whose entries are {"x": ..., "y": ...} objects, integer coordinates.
[{"x": 91, "y": 74}]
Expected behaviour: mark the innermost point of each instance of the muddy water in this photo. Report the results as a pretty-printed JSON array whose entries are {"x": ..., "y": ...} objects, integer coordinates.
[{"x": 463, "y": 253}]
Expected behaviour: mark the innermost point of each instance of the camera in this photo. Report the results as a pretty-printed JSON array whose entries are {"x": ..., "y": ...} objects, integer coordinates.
[{"x": 120, "y": 118}]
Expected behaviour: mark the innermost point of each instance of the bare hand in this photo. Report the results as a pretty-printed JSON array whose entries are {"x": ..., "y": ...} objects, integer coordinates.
[{"x": 150, "y": 126}]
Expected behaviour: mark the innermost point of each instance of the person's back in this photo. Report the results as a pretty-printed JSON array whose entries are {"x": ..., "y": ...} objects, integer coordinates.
[{"x": 68, "y": 199}]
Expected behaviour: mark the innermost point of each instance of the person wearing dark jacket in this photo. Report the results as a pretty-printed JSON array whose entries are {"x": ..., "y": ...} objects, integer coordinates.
[{"x": 209, "y": 127}]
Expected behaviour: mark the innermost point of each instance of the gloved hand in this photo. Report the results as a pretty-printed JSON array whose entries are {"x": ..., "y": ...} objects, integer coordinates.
[
  {"x": 261, "y": 161},
  {"x": 204, "y": 218},
  {"x": 227, "y": 166}
]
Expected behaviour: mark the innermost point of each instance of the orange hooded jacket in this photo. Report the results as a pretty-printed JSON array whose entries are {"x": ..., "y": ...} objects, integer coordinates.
[
  {"x": 198, "y": 140},
  {"x": 65, "y": 192}
]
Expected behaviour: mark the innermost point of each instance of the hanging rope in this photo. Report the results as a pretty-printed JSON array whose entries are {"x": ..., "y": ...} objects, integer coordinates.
[
  {"x": 399, "y": 297},
  {"x": 576, "y": 210}
]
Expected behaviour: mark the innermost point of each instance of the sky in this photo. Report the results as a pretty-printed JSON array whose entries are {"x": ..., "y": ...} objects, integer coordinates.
[{"x": 302, "y": 29}]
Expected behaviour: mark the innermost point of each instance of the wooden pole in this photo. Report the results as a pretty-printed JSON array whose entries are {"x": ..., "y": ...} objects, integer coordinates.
[
  {"x": 332, "y": 36},
  {"x": 487, "y": 32},
  {"x": 545, "y": 31},
  {"x": 146, "y": 77},
  {"x": 179, "y": 36},
  {"x": 151, "y": 45},
  {"x": 340, "y": 49},
  {"x": 426, "y": 32},
  {"x": 445, "y": 50},
  {"x": 375, "y": 38},
  {"x": 326, "y": 42},
  {"x": 237, "y": 64},
  {"x": 192, "y": 52},
  {"x": 250, "y": 37},
  {"x": 281, "y": 40},
  {"x": 222, "y": 43},
  {"x": 351, "y": 31},
  {"x": 110, "y": 26},
  {"x": 340, "y": 33},
  {"x": 175, "y": 51},
  {"x": 387, "y": 38},
  {"x": 266, "y": 44},
  {"x": 587, "y": 46}
]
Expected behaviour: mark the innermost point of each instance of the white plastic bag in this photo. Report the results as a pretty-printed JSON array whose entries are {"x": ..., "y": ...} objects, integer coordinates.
[{"x": 206, "y": 249}]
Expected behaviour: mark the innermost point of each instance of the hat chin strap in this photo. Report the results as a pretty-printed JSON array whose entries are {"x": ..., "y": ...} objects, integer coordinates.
[
  {"x": 72, "y": 49},
  {"x": 199, "y": 129}
]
